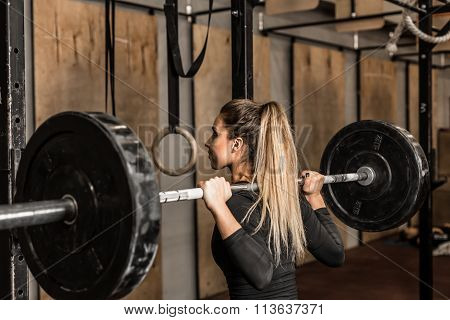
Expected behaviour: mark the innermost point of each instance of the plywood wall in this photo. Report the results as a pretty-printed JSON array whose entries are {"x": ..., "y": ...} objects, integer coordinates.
[
  {"x": 69, "y": 73},
  {"x": 288, "y": 6},
  {"x": 212, "y": 91},
  {"x": 319, "y": 110},
  {"x": 379, "y": 90},
  {"x": 362, "y": 8},
  {"x": 379, "y": 101}
]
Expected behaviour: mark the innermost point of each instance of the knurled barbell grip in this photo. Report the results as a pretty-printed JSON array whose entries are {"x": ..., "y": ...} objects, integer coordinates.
[
  {"x": 197, "y": 193},
  {"x": 36, "y": 213}
]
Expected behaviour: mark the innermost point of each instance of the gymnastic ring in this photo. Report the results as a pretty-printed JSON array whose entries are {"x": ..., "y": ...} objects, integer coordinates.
[{"x": 155, "y": 151}]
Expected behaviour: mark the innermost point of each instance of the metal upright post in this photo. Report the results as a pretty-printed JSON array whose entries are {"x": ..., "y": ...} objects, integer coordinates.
[
  {"x": 173, "y": 79},
  {"x": 425, "y": 137},
  {"x": 242, "y": 48},
  {"x": 13, "y": 269}
]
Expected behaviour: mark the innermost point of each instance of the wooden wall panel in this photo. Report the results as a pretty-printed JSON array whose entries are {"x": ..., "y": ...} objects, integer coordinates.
[
  {"x": 439, "y": 21},
  {"x": 379, "y": 101},
  {"x": 319, "y": 95},
  {"x": 212, "y": 91},
  {"x": 379, "y": 90},
  {"x": 443, "y": 153},
  {"x": 362, "y": 7},
  {"x": 69, "y": 74},
  {"x": 441, "y": 196},
  {"x": 287, "y": 6}
]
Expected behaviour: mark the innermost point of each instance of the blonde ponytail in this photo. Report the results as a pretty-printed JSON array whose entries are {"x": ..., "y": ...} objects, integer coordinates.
[{"x": 273, "y": 159}]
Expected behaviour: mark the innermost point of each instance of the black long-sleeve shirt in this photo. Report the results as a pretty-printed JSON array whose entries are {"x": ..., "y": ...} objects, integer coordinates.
[{"x": 248, "y": 265}]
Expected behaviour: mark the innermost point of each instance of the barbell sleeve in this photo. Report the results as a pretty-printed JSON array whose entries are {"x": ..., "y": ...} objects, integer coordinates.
[
  {"x": 36, "y": 213},
  {"x": 363, "y": 174}
]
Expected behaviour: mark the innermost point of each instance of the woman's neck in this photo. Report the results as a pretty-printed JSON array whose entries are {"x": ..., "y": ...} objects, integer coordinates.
[{"x": 240, "y": 172}]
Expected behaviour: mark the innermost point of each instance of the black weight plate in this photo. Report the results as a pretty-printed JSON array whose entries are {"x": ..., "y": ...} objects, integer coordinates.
[
  {"x": 401, "y": 181},
  {"x": 110, "y": 247}
]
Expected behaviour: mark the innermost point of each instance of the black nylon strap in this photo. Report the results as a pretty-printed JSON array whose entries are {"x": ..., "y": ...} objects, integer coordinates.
[
  {"x": 107, "y": 43},
  {"x": 110, "y": 35},
  {"x": 172, "y": 30}
]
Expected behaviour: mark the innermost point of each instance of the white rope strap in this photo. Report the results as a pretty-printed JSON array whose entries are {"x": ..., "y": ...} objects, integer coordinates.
[
  {"x": 422, "y": 35},
  {"x": 407, "y": 22}
]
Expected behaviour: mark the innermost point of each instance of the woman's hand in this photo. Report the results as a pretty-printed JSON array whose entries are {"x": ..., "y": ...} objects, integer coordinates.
[
  {"x": 216, "y": 192},
  {"x": 312, "y": 185}
]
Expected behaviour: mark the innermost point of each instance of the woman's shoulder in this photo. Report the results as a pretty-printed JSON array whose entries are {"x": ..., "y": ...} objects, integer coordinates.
[
  {"x": 240, "y": 203},
  {"x": 241, "y": 200}
]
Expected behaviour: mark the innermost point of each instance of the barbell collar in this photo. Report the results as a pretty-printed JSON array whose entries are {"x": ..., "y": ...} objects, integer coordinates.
[{"x": 37, "y": 213}]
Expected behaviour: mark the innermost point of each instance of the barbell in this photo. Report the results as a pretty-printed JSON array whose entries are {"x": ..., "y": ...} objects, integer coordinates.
[{"x": 87, "y": 205}]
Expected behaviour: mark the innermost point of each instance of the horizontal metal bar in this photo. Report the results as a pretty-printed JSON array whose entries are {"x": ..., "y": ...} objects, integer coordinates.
[
  {"x": 146, "y": 7},
  {"x": 445, "y": 29},
  {"x": 36, "y": 213},
  {"x": 159, "y": 9},
  {"x": 203, "y": 12},
  {"x": 197, "y": 193},
  {"x": 411, "y": 54},
  {"x": 314, "y": 41},
  {"x": 407, "y": 6},
  {"x": 440, "y": 9},
  {"x": 331, "y": 21},
  {"x": 438, "y": 182},
  {"x": 412, "y": 44},
  {"x": 435, "y": 66}
]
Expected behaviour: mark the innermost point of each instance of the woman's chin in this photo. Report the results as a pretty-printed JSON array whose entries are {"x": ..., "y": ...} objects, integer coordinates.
[{"x": 214, "y": 165}]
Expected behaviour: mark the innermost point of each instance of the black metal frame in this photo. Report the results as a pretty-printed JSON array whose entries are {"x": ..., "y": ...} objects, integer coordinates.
[
  {"x": 331, "y": 21},
  {"x": 152, "y": 9},
  {"x": 407, "y": 6},
  {"x": 425, "y": 138},
  {"x": 13, "y": 269},
  {"x": 242, "y": 48},
  {"x": 173, "y": 81}
]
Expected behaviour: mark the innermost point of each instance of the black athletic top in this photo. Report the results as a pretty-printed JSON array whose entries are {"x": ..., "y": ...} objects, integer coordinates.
[{"x": 247, "y": 263}]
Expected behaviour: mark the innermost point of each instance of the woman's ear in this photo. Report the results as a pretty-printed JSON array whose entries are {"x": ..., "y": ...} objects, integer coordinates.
[{"x": 237, "y": 144}]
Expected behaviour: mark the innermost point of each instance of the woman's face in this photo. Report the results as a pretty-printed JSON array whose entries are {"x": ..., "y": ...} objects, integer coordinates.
[{"x": 219, "y": 146}]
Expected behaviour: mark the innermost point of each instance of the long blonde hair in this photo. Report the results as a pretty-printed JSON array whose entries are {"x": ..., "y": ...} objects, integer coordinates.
[{"x": 271, "y": 154}]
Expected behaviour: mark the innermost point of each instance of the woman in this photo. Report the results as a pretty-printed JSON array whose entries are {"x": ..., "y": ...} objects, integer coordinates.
[{"x": 260, "y": 237}]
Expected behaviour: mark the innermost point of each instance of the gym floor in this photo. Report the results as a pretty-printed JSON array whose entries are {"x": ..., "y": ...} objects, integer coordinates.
[{"x": 383, "y": 269}]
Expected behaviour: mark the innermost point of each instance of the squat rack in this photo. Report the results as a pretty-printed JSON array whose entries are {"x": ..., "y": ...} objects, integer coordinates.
[{"x": 13, "y": 269}]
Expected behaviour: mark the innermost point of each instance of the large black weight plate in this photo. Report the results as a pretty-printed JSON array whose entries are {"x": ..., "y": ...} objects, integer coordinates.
[
  {"x": 401, "y": 181},
  {"x": 110, "y": 247}
]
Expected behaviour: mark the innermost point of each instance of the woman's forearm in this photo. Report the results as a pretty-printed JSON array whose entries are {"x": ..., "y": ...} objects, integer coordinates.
[
  {"x": 316, "y": 201},
  {"x": 225, "y": 221}
]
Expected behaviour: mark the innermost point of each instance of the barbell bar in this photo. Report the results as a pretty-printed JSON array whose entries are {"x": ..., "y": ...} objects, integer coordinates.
[
  {"x": 87, "y": 210},
  {"x": 35, "y": 213},
  {"x": 42, "y": 212},
  {"x": 364, "y": 175}
]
